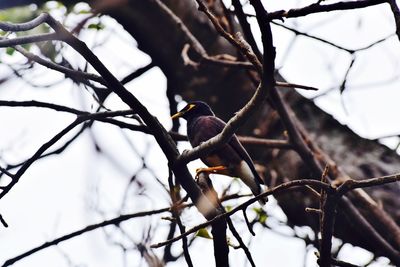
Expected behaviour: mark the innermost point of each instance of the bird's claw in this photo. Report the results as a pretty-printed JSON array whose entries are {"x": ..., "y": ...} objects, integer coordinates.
[{"x": 215, "y": 169}]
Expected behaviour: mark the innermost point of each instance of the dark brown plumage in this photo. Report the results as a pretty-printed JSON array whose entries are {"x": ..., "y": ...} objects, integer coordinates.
[{"x": 202, "y": 125}]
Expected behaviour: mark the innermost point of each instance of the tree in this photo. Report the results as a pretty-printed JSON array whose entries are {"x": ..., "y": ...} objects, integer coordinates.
[{"x": 203, "y": 58}]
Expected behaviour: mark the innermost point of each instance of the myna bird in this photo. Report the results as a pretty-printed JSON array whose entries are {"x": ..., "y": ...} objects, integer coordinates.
[{"x": 231, "y": 159}]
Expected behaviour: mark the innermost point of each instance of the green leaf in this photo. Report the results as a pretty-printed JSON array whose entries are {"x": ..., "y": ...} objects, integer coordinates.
[
  {"x": 27, "y": 46},
  {"x": 258, "y": 210},
  {"x": 261, "y": 215},
  {"x": 84, "y": 12},
  {"x": 96, "y": 26},
  {"x": 228, "y": 208},
  {"x": 48, "y": 49},
  {"x": 263, "y": 218},
  {"x": 17, "y": 14},
  {"x": 231, "y": 243},
  {"x": 10, "y": 51},
  {"x": 203, "y": 233}
]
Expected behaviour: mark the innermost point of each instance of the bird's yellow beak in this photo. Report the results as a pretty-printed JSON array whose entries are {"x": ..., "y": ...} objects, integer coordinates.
[
  {"x": 177, "y": 115},
  {"x": 183, "y": 111}
]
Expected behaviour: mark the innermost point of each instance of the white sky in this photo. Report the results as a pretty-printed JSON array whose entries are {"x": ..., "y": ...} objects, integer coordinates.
[{"x": 61, "y": 194}]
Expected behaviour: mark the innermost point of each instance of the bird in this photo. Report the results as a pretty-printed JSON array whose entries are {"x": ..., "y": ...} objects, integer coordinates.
[{"x": 231, "y": 159}]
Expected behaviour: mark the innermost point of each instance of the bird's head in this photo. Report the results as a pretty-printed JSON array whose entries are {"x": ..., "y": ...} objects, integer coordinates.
[{"x": 194, "y": 109}]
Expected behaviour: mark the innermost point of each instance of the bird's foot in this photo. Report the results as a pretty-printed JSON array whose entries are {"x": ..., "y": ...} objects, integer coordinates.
[{"x": 216, "y": 169}]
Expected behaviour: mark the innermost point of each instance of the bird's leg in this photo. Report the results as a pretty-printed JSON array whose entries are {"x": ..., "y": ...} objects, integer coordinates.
[{"x": 216, "y": 169}]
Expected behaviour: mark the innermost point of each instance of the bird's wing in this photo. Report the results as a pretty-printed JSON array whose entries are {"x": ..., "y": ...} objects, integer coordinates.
[
  {"x": 233, "y": 151},
  {"x": 239, "y": 149},
  {"x": 207, "y": 127}
]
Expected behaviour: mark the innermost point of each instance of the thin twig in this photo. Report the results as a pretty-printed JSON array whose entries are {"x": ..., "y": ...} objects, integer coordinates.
[
  {"x": 39, "y": 104},
  {"x": 224, "y": 60},
  {"x": 3, "y": 222},
  {"x": 243, "y": 48},
  {"x": 340, "y": 263},
  {"x": 28, "y": 39},
  {"x": 18, "y": 27},
  {"x": 51, "y": 65},
  {"x": 9, "y": 174},
  {"x": 270, "y": 143},
  {"x": 295, "y": 85},
  {"x": 246, "y": 28},
  {"x": 206, "y": 185},
  {"x": 350, "y": 51},
  {"x": 175, "y": 197},
  {"x": 353, "y": 184},
  {"x": 249, "y": 226},
  {"x": 242, "y": 245},
  {"x": 317, "y": 8},
  {"x": 312, "y": 210}
]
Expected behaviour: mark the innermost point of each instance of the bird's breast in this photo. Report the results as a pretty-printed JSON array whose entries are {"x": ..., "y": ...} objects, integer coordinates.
[{"x": 213, "y": 160}]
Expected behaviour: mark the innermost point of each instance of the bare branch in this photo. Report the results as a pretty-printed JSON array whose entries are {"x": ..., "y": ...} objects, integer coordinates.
[
  {"x": 222, "y": 60},
  {"x": 115, "y": 221},
  {"x": 54, "y": 66},
  {"x": 39, "y": 104},
  {"x": 3, "y": 222},
  {"x": 340, "y": 263},
  {"x": 351, "y": 51},
  {"x": 80, "y": 119},
  {"x": 18, "y": 27},
  {"x": 294, "y": 85},
  {"x": 28, "y": 39},
  {"x": 242, "y": 47},
  {"x": 327, "y": 222},
  {"x": 137, "y": 73},
  {"x": 175, "y": 197},
  {"x": 318, "y": 8},
  {"x": 246, "y": 28},
  {"x": 353, "y": 184},
  {"x": 5, "y": 171}
]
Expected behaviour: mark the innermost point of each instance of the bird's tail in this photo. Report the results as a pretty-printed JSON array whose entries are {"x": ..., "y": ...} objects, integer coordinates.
[
  {"x": 263, "y": 201},
  {"x": 251, "y": 178},
  {"x": 259, "y": 190}
]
